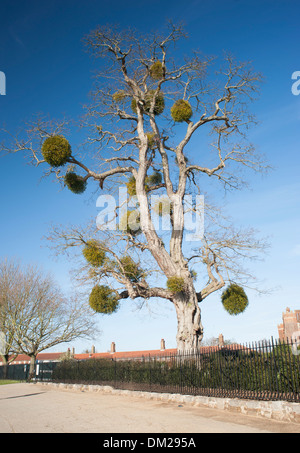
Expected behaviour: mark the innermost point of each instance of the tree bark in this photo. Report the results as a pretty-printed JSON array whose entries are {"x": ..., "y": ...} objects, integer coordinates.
[
  {"x": 32, "y": 367},
  {"x": 189, "y": 326},
  {"x": 6, "y": 361},
  {"x": 5, "y": 370}
]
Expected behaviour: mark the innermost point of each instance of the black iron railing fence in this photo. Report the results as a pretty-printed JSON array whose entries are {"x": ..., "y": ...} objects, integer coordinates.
[{"x": 268, "y": 370}]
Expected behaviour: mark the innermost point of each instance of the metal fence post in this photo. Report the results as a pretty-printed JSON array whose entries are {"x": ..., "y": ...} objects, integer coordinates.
[
  {"x": 180, "y": 373},
  {"x": 149, "y": 372}
]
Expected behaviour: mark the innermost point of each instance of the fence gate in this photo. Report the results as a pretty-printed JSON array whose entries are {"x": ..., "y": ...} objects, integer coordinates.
[{"x": 44, "y": 370}]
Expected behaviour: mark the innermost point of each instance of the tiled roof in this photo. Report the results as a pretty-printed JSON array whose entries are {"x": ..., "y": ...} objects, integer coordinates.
[
  {"x": 115, "y": 355},
  {"x": 126, "y": 354},
  {"x": 152, "y": 353},
  {"x": 41, "y": 356},
  {"x": 102, "y": 355}
]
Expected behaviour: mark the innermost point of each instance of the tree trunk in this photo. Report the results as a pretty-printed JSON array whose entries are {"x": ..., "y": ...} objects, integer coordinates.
[
  {"x": 5, "y": 370},
  {"x": 189, "y": 327},
  {"x": 32, "y": 367},
  {"x": 5, "y": 359}
]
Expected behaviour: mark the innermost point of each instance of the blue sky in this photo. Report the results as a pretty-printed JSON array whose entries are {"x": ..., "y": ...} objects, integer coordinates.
[{"x": 47, "y": 71}]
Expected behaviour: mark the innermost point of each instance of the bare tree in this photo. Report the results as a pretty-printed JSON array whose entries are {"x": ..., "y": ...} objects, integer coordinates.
[
  {"x": 147, "y": 111},
  {"x": 8, "y": 350},
  {"x": 34, "y": 314}
]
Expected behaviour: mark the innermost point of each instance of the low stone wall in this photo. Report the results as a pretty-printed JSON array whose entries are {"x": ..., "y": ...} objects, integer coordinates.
[{"x": 276, "y": 410}]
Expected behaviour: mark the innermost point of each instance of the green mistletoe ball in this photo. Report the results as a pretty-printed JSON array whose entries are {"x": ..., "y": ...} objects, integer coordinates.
[
  {"x": 119, "y": 96},
  {"x": 131, "y": 269},
  {"x": 181, "y": 111},
  {"x": 103, "y": 299},
  {"x": 156, "y": 70},
  {"x": 93, "y": 253},
  {"x": 175, "y": 284},
  {"x": 56, "y": 150},
  {"x": 159, "y": 103},
  {"x": 130, "y": 223},
  {"x": 74, "y": 182},
  {"x": 234, "y": 299}
]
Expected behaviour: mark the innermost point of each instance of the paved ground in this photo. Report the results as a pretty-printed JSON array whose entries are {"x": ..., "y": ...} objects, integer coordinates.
[{"x": 33, "y": 408}]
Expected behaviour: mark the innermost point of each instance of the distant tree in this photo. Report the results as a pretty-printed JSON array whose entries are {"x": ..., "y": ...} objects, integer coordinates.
[
  {"x": 8, "y": 346},
  {"x": 150, "y": 109},
  {"x": 35, "y": 315},
  {"x": 214, "y": 341}
]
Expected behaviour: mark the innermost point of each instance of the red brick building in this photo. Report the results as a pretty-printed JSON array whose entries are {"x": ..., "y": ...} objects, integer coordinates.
[
  {"x": 290, "y": 325},
  {"x": 22, "y": 359}
]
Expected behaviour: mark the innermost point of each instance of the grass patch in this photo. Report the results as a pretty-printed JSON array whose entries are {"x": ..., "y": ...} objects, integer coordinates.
[{"x": 8, "y": 381}]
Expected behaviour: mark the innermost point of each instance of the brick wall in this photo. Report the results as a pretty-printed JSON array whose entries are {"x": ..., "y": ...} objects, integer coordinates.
[{"x": 290, "y": 324}]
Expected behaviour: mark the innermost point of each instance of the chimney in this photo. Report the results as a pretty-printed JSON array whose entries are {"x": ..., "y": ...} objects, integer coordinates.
[
  {"x": 93, "y": 350},
  {"x": 112, "y": 348},
  {"x": 162, "y": 344},
  {"x": 221, "y": 340},
  {"x": 73, "y": 351}
]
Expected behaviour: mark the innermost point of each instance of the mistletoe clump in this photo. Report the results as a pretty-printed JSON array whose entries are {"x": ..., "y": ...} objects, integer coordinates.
[
  {"x": 234, "y": 299},
  {"x": 175, "y": 284},
  {"x": 194, "y": 274},
  {"x": 130, "y": 269},
  {"x": 103, "y": 299},
  {"x": 163, "y": 207},
  {"x": 154, "y": 179},
  {"x": 156, "y": 70},
  {"x": 159, "y": 104},
  {"x": 56, "y": 150},
  {"x": 74, "y": 182},
  {"x": 181, "y": 111},
  {"x": 130, "y": 222},
  {"x": 131, "y": 188},
  {"x": 151, "y": 140},
  {"x": 119, "y": 96},
  {"x": 93, "y": 253},
  {"x": 151, "y": 180}
]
